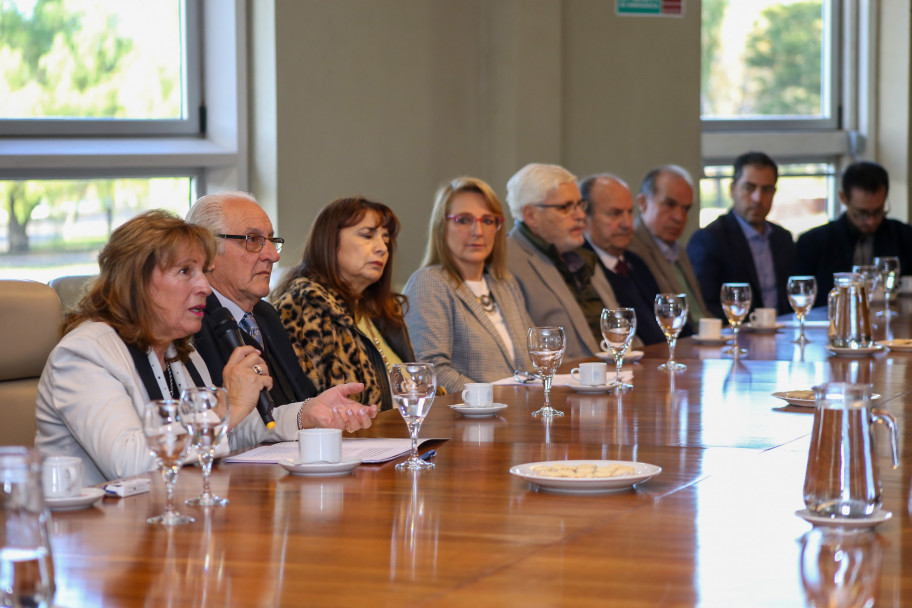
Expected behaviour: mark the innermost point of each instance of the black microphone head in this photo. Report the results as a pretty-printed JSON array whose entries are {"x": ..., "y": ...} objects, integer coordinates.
[{"x": 226, "y": 328}]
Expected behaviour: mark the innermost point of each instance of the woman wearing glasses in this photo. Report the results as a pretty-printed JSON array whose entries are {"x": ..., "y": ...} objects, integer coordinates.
[
  {"x": 338, "y": 306},
  {"x": 466, "y": 315}
]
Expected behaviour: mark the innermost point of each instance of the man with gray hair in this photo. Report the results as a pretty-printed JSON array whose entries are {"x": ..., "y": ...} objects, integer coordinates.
[
  {"x": 562, "y": 282},
  {"x": 239, "y": 278},
  {"x": 666, "y": 196}
]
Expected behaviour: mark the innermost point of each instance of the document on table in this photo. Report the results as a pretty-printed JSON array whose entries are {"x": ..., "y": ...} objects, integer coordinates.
[{"x": 367, "y": 450}]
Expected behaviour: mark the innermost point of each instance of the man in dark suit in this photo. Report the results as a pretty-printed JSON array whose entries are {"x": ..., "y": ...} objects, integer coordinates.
[
  {"x": 239, "y": 279},
  {"x": 861, "y": 233},
  {"x": 609, "y": 229},
  {"x": 742, "y": 246}
]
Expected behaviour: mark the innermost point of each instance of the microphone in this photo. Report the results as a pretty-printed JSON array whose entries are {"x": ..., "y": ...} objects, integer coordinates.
[{"x": 229, "y": 337}]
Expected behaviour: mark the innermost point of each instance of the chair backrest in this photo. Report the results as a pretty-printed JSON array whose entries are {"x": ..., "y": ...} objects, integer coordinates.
[
  {"x": 70, "y": 289},
  {"x": 31, "y": 317}
]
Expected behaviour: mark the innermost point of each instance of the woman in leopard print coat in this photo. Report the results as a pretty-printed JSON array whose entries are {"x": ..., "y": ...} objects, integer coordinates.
[{"x": 344, "y": 321}]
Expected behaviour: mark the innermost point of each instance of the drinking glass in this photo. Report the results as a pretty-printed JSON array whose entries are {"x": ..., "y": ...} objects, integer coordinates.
[
  {"x": 618, "y": 329},
  {"x": 168, "y": 441},
  {"x": 889, "y": 272},
  {"x": 546, "y": 349},
  {"x": 414, "y": 386},
  {"x": 802, "y": 293},
  {"x": 870, "y": 278},
  {"x": 736, "y": 303},
  {"x": 204, "y": 413},
  {"x": 671, "y": 314}
]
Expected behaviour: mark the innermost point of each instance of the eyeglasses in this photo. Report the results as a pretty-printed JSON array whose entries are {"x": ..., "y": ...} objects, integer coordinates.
[
  {"x": 860, "y": 214},
  {"x": 566, "y": 208},
  {"x": 255, "y": 242},
  {"x": 466, "y": 221}
]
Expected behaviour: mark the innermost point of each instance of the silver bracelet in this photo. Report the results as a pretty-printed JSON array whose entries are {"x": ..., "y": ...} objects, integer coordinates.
[{"x": 301, "y": 413}]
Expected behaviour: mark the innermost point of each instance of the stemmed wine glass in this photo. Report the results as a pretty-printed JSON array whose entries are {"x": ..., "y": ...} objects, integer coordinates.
[
  {"x": 671, "y": 314},
  {"x": 889, "y": 270},
  {"x": 736, "y": 303},
  {"x": 204, "y": 413},
  {"x": 802, "y": 293},
  {"x": 870, "y": 277},
  {"x": 618, "y": 329},
  {"x": 168, "y": 441},
  {"x": 414, "y": 386},
  {"x": 546, "y": 349}
]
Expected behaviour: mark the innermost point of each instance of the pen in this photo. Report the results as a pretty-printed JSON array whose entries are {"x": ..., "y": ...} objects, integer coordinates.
[{"x": 428, "y": 455}]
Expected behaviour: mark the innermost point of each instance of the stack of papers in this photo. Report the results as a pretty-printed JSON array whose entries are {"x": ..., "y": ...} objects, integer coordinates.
[{"x": 368, "y": 451}]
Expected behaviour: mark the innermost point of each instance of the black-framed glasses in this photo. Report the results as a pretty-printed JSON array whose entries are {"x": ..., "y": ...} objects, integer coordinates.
[
  {"x": 466, "y": 221},
  {"x": 255, "y": 242},
  {"x": 863, "y": 214},
  {"x": 566, "y": 208}
]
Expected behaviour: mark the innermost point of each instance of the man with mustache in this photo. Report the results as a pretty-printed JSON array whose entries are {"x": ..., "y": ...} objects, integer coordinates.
[{"x": 742, "y": 246}]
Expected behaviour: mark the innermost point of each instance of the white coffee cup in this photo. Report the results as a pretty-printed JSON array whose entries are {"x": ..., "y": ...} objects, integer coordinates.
[
  {"x": 320, "y": 445},
  {"x": 763, "y": 317},
  {"x": 478, "y": 394},
  {"x": 710, "y": 329},
  {"x": 589, "y": 374},
  {"x": 905, "y": 283},
  {"x": 62, "y": 476}
]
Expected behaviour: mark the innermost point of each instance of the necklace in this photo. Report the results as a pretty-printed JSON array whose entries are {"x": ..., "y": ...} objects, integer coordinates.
[
  {"x": 486, "y": 301},
  {"x": 376, "y": 340},
  {"x": 172, "y": 385}
]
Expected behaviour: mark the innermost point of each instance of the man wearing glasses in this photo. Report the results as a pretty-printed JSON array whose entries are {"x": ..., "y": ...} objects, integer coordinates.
[
  {"x": 239, "y": 278},
  {"x": 665, "y": 198},
  {"x": 860, "y": 234},
  {"x": 562, "y": 282},
  {"x": 741, "y": 246}
]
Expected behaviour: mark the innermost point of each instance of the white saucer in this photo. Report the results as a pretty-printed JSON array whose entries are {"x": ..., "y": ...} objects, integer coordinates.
[
  {"x": 854, "y": 352},
  {"x": 87, "y": 497},
  {"x": 590, "y": 388},
  {"x": 901, "y": 346},
  {"x": 629, "y": 357},
  {"x": 712, "y": 341},
  {"x": 478, "y": 412},
  {"x": 318, "y": 469},
  {"x": 600, "y": 485},
  {"x": 878, "y": 517},
  {"x": 763, "y": 329}
]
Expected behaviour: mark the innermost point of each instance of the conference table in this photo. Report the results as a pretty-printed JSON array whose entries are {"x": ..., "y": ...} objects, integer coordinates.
[{"x": 717, "y": 526}]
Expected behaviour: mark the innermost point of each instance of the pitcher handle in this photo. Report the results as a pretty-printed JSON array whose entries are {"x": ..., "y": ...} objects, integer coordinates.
[{"x": 886, "y": 418}]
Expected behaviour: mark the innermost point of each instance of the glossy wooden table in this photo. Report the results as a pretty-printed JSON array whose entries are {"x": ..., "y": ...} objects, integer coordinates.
[{"x": 715, "y": 528}]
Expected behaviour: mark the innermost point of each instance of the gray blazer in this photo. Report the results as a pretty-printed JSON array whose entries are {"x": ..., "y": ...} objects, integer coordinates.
[
  {"x": 645, "y": 246},
  {"x": 449, "y": 328},
  {"x": 548, "y": 298}
]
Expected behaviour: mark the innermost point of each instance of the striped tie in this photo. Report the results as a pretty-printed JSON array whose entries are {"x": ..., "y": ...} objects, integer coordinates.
[{"x": 249, "y": 325}]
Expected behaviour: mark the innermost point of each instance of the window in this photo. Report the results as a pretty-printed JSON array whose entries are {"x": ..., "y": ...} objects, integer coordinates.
[{"x": 119, "y": 131}]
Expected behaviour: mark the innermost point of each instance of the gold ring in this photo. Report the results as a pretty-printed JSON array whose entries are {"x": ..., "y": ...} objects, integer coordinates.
[{"x": 258, "y": 370}]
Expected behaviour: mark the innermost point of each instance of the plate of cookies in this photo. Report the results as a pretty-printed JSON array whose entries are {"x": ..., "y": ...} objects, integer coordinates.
[{"x": 585, "y": 476}]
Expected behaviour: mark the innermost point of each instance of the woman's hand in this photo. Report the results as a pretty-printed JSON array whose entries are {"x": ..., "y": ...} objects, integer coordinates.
[
  {"x": 245, "y": 375},
  {"x": 333, "y": 409}
]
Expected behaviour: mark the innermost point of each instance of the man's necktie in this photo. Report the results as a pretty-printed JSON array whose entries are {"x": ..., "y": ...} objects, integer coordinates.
[
  {"x": 249, "y": 325},
  {"x": 621, "y": 268}
]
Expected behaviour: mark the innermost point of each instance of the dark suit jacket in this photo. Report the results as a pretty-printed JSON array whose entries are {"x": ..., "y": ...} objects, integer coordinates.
[
  {"x": 290, "y": 383},
  {"x": 721, "y": 254},
  {"x": 638, "y": 291},
  {"x": 829, "y": 248}
]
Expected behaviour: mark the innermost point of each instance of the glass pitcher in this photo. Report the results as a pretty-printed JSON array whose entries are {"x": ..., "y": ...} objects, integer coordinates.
[
  {"x": 842, "y": 478},
  {"x": 26, "y": 566},
  {"x": 850, "y": 317}
]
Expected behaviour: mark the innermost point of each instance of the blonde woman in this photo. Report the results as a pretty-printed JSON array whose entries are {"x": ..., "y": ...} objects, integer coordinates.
[{"x": 466, "y": 314}]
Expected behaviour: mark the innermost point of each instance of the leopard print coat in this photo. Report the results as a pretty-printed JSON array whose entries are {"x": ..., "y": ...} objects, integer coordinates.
[{"x": 331, "y": 348}]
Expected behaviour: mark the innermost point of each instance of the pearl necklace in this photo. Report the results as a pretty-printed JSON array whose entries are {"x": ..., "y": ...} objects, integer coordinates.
[{"x": 376, "y": 340}]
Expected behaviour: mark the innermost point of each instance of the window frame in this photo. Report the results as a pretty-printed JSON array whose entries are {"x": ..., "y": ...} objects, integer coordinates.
[{"x": 191, "y": 82}]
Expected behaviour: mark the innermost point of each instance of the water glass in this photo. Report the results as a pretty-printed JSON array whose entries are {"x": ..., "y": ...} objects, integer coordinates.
[
  {"x": 414, "y": 386},
  {"x": 671, "y": 315},
  {"x": 205, "y": 414},
  {"x": 546, "y": 350},
  {"x": 889, "y": 274},
  {"x": 802, "y": 293},
  {"x": 618, "y": 328},
  {"x": 736, "y": 303},
  {"x": 168, "y": 441}
]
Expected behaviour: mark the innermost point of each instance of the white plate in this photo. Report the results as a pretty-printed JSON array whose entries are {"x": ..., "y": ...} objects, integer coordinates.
[
  {"x": 318, "y": 469},
  {"x": 590, "y": 388},
  {"x": 854, "y": 352},
  {"x": 87, "y": 497},
  {"x": 765, "y": 329},
  {"x": 878, "y": 517},
  {"x": 902, "y": 346},
  {"x": 478, "y": 412},
  {"x": 712, "y": 341},
  {"x": 642, "y": 472},
  {"x": 800, "y": 402},
  {"x": 629, "y": 357}
]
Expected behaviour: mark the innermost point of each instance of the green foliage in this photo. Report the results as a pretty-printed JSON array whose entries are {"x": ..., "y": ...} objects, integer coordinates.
[
  {"x": 784, "y": 60},
  {"x": 713, "y": 14}
]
